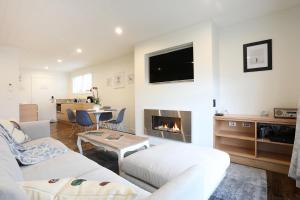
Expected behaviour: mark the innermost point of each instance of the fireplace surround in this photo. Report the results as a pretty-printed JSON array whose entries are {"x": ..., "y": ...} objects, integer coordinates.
[{"x": 168, "y": 124}]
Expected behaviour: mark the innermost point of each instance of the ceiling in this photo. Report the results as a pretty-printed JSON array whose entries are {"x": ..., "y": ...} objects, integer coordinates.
[{"x": 47, "y": 30}]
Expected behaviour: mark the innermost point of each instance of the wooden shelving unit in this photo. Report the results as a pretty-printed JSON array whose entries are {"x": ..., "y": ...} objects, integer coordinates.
[{"x": 237, "y": 135}]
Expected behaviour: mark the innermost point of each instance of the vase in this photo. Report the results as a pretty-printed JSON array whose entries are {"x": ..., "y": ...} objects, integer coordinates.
[{"x": 96, "y": 107}]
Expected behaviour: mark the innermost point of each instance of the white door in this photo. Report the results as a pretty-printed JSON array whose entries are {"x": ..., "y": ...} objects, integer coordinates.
[{"x": 43, "y": 88}]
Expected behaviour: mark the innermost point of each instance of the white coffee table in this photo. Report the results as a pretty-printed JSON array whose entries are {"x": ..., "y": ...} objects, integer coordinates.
[{"x": 125, "y": 143}]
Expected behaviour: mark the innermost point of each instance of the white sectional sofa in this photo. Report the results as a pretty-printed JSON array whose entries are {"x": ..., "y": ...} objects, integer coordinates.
[{"x": 72, "y": 164}]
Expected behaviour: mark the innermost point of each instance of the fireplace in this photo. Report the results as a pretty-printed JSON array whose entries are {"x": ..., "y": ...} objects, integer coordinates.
[{"x": 168, "y": 124}]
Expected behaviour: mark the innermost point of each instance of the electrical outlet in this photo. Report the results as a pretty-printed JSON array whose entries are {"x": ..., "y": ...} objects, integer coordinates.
[
  {"x": 246, "y": 124},
  {"x": 231, "y": 124}
]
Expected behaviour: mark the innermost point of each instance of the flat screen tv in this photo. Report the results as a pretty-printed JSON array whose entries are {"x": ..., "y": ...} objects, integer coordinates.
[{"x": 172, "y": 66}]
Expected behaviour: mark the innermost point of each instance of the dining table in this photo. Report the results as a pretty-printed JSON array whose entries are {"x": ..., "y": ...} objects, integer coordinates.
[{"x": 98, "y": 112}]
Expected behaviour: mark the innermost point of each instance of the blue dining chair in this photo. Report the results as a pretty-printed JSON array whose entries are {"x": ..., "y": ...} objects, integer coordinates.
[
  {"x": 115, "y": 123},
  {"x": 105, "y": 117},
  {"x": 83, "y": 119},
  {"x": 72, "y": 119}
]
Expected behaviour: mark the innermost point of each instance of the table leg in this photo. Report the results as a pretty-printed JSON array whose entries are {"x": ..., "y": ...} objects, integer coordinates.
[
  {"x": 147, "y": 145},
  {"x": 79, "y": 145},
  {"x": 120, "y": 158},
  {"x": 97, "y": 115}
]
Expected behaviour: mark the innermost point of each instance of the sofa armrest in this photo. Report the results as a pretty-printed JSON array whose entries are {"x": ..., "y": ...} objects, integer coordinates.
[
  {"x": 36, "y": 129},
  {"x": 187, "y": 185}
]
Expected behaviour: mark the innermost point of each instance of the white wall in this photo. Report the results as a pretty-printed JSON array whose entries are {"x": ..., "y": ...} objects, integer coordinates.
[
  {"x": 110, "y": 96},
  {"x": 252, "y": 92},
  {"x": 37, "y": 87},
  {"x": 191, "y": 96},
  {"x": 9, "y": 74}
]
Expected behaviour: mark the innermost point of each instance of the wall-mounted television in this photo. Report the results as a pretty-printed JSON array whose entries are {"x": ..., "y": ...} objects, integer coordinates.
[{"x": 177, "y": 65}]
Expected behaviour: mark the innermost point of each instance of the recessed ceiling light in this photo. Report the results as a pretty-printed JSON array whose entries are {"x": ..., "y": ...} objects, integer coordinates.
[
  {"x": 59, "y": 60},
  {"x": 79, "y": 50},
  {"x": 118, "y": 30},
  {"x": 46, "y": 67}
]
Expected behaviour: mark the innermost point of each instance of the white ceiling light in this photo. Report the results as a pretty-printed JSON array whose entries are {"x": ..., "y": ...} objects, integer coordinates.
[
  {"x": 118, "y": 30},
  {"x": 79, "y": 50},
  {"x": 59, "y": 60},
  {"x": 46, "y": 67}
]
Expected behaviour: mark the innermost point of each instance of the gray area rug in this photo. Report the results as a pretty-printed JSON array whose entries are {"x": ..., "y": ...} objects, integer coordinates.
[{"x": 242, "y": 183}]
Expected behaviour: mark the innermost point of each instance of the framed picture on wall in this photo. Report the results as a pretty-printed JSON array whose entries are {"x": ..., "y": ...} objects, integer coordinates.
[
  {"x": 258, "y": 56},
  {"x": 119, "y": 80},
  {"x": 130, "y": 79}
]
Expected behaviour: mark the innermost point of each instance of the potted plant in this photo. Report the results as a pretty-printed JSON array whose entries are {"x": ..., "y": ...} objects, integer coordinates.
[{"x": 95, "y": 93}]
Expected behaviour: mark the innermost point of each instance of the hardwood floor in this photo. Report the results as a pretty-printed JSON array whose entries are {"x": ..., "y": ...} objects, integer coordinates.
[
  {"x": 280, "y": 187},
  {"x": 63, "y": 133}
]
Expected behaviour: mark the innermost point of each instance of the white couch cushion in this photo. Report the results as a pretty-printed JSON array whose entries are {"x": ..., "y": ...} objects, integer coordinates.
[
  {"x": 69, "y": 164},
  {"x": 187, "y": 185},
  {"x": 161, "y": 163},
  {"x": 103, "y": 174},
  {"x": 79, "y": 189}
]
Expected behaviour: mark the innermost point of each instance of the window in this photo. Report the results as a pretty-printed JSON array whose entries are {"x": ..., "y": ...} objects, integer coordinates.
[{"x": 82, "y": 84}]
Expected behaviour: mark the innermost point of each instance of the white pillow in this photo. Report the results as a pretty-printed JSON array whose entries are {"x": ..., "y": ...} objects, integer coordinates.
[
  {"x": 18, "y": 135},
  {"x": 7, "y": 125},
  {"x": 76, "y": 189}
]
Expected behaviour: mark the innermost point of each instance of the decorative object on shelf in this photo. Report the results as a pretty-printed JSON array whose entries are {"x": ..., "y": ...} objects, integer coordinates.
[
  {"x": 258, "y": 56},
  {"x": 52, "y": 99},
  {"x": 264, "y": 113},
  {"x": 119, "y": 80},
  {"x": 94, "y": 90},
  {"x": 285, "y": 113},
  {"x": 130, "y": 79},
  {"x": 219, "y": 114}
]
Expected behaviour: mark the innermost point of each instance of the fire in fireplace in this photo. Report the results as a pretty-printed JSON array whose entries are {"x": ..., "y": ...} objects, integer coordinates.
[{"x": 169, "y": 124}]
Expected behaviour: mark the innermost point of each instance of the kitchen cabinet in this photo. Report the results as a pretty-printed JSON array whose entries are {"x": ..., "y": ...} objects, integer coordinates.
[{"x": 28, "y": 112}]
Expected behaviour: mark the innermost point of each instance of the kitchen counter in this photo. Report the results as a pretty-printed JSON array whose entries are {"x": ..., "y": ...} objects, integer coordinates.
[{"x": 69, "y": 101}]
